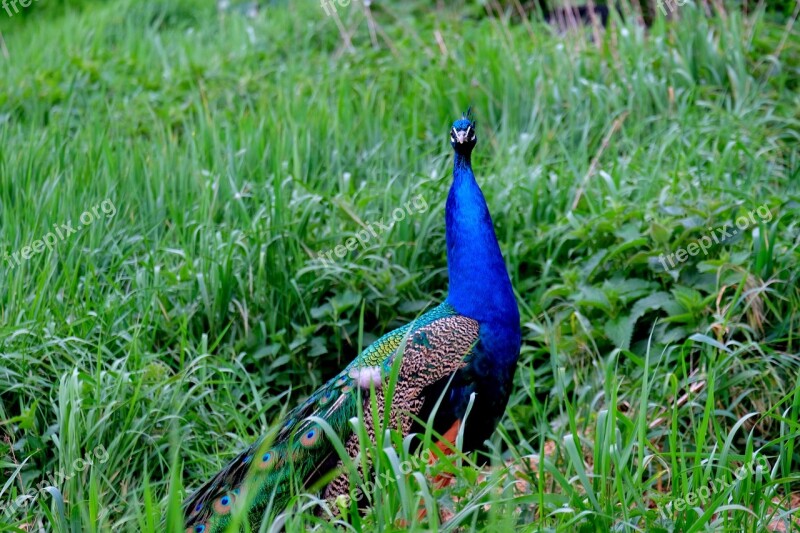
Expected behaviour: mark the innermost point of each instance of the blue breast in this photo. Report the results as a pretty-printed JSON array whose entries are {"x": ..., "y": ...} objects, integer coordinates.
[{"x": 480, "y": 287}]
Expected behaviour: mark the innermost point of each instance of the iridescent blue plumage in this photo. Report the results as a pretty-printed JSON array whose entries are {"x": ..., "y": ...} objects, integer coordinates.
[
  {"x": 468, "y": 344},
  {"x": 480, "y": 288}
]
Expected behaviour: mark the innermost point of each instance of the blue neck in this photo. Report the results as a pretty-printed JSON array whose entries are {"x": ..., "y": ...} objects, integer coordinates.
[{"x": 479, "y": 284}]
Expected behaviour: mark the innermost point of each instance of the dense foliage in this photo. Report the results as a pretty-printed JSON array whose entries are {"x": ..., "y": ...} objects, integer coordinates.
[{"x": 234, "y": 150}]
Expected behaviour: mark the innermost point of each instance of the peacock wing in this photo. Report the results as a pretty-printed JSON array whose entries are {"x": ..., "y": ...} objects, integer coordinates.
[{"x": 261, "y": 471}]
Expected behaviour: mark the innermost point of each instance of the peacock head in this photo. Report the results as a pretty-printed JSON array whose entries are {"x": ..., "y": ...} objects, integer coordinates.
[{"x": 462, "y": 136}]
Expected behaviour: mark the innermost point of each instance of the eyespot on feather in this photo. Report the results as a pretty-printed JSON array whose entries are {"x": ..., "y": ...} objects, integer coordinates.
[
  {"x": 197, "y": 528},
  {"x": 222, "y": 505},
  {"x": 268, "y": 460},
  {"x": 326, "y": 397},
  {"x": 310, "y": 436}
]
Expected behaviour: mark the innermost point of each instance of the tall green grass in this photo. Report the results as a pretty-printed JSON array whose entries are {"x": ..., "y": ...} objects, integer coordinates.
[{"x": 237, "y": 149}]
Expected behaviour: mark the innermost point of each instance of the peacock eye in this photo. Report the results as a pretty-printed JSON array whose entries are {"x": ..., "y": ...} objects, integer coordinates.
[
  {"x": 310, "y": 437},
  {"x": 268, "y": 460},
  {"x": 223, "y": 505}
]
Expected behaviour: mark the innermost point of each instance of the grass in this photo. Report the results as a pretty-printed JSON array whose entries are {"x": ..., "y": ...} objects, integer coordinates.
[{"x": 160, "y": 341}]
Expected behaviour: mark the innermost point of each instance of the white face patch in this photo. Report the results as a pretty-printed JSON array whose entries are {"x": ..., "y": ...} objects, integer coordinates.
[
  {"x": 461, "y": 137},
  {"x": 367, "y": 376}
]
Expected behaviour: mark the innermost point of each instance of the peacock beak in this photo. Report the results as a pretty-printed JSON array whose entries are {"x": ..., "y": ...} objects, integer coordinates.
[{"x": 461, "y": 136}]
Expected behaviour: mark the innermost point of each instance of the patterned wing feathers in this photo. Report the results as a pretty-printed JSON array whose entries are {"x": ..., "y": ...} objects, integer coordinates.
[
  {"x": 432, "y": 352},
  {"x": 436, "y": 346}
]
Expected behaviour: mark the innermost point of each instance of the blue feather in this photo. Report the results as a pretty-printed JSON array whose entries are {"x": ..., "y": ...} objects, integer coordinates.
[{"x": 480, "y": 287}]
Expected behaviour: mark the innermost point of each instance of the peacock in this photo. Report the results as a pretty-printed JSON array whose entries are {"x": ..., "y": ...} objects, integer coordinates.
[{"x": 468, "y": 345}]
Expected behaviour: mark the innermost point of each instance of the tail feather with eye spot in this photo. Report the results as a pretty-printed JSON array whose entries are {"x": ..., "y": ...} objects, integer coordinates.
[{"x": 261, "y": 477}]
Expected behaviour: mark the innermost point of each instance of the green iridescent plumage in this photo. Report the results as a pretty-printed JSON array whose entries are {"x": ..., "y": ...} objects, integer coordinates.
[{"x": 299, "y": 448}]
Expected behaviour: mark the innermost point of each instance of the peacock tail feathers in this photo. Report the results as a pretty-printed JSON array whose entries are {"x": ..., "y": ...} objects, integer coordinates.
[{"x": 436, "y": 344}]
